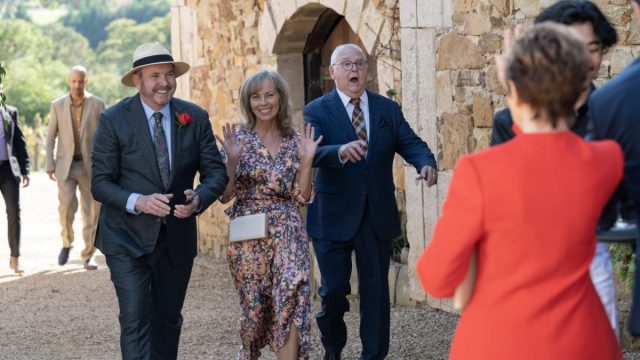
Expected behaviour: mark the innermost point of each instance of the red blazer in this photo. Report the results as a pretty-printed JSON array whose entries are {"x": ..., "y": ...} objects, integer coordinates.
[{"x": 530, "y": 208}]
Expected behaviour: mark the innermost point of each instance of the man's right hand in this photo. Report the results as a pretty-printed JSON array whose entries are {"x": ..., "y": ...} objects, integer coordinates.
[
  {"x": 52, "y": 175},
  {"x": 353, "y": 151},
  {"x": 154, "y": 204}
]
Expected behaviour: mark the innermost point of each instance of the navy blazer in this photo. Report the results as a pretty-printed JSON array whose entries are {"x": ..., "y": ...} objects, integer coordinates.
[
  {"x": 615, "y": 114},
  {"x": 124, "y": 162},
  {"x": 343, "y": 191}
]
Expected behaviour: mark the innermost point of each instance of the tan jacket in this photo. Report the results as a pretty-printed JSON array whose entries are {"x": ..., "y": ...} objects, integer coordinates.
[{"x": 60, "y": 126}]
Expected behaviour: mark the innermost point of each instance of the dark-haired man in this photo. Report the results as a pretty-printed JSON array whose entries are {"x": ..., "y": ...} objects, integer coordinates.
[
  {"x": 614, "y": 111},
  {"x": 143, "y": 171},
  {"x": 594, "y": 29}
]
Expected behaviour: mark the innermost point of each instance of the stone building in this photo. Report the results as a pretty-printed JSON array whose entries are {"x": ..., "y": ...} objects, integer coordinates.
[{"x": 435, "y": 57}]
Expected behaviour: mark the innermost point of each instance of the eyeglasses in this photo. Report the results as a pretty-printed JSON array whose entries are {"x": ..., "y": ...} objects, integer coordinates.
[{"x": 348, "y": 65}]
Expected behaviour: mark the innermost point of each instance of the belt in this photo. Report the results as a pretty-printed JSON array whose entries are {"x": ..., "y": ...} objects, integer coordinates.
[{"x": 77, "y": 157}]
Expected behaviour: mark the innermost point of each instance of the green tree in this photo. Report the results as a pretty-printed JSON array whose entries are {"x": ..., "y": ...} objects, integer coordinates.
[
  {"x": 71, "y": 47},
  {"x": 19, "y": 38},
  {"x": 2, "y": 75},
  {"x": 90, "y": 18},
  {"x": 31, "y": 85},
  {"x": 143, "y": 11}
]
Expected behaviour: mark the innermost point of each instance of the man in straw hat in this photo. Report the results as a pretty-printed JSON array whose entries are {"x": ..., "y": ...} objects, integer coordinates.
[{"x": 147, "y": 151}]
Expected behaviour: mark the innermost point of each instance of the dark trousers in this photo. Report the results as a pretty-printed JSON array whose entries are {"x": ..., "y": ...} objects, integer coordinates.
[
  {"x": 151, "y": 292},
  {"x": 10, "y": 189},
  {"x": 372, "y": 260}
]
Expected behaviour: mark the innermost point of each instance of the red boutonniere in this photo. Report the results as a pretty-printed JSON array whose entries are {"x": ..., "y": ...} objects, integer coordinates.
[{"x": 183, "y": 120}]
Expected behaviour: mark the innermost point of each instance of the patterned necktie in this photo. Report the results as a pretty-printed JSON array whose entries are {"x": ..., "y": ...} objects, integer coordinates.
[
  {"x": 357, "y": 120},
  {"x": 162, "y": 151}
]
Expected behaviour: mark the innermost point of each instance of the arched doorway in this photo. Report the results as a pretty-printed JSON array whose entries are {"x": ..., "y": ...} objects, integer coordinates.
[{"x": 330, "y": 30}]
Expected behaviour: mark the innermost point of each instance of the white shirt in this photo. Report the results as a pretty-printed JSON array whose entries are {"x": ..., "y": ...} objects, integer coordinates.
[
  {"x": 364, "y": 106},
  {"x": 166, "y": 126}
]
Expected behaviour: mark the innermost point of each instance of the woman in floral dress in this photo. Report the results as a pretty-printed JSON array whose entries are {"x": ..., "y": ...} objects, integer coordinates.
[{"x": 269, "y": 167}]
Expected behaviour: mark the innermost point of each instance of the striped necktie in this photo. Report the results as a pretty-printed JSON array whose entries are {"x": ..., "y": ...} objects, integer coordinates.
[
  {"x": 162, "y": 150},
  {"x": 357, "y": 120}
]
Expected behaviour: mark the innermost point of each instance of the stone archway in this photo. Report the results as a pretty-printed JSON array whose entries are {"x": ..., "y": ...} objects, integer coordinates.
[
  {"x": 301, "y": 40},
  {"x": 284, "y": 31}
]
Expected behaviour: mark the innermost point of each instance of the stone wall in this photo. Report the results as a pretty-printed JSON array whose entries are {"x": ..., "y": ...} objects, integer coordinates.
[
  {"x": 437, "y": 54},
  {"x": 467, "y": 91},
  {"x": 219, "y": 38}
]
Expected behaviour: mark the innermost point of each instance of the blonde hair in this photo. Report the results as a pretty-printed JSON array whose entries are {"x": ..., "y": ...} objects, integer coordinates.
[{"x": 251, "y": 86}]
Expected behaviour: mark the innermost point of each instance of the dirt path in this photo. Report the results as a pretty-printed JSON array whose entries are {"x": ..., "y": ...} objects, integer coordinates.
[{"x": 56, "y": 313}]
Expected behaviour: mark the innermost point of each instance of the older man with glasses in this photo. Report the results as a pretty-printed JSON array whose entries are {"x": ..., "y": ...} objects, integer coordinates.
[{"x": 355, "y": 207}]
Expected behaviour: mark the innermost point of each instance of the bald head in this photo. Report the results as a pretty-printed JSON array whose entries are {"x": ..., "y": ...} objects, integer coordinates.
[
  {"x": 344, "y": 48},
  {"x": 77, "y": 81}
]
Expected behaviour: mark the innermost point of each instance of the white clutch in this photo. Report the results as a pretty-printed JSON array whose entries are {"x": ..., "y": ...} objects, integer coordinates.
[{"x": 248, "y": 227}]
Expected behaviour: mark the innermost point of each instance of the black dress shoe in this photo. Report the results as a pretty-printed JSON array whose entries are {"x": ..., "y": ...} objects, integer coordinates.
[
  {"x": 64, "y": 256},
  {"x": 331, "y": 356}
]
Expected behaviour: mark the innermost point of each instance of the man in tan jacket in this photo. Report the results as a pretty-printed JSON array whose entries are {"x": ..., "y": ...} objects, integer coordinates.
[{"x": 73, "y": 120}]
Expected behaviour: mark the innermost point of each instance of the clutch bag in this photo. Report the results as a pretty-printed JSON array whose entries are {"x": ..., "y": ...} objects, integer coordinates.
[
  {"x": 248, "y": 227},
  {"x": 463, "y": 292}
]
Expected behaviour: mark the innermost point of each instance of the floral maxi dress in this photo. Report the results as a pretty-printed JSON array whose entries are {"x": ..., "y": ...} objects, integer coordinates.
[{"x": 271, "y": 275}]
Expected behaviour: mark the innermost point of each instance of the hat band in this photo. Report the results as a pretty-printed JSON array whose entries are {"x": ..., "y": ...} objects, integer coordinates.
[{"x": 152, "y": 60}]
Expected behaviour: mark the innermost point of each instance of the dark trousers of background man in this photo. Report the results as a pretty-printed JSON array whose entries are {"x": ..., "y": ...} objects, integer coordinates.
[{"x": 11, "y": 193}]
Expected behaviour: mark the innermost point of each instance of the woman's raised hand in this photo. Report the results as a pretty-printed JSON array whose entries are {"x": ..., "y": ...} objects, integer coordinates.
[
  {"x": 306, "y": 145},
  {"x": 230, "y": 142}
]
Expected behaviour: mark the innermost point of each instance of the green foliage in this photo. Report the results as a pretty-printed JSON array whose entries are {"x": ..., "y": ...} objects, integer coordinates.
[
  {"x": 38, "y": 57},
  {"x": 32, "y": 84},
  {"x": 623, "y": 259},
  {"x": 143, "y": 11},
  {"x": 401, "y": 241},
  {"x": 70, "y": 47},
  {"x": 91, "y": 17},
  {"x": 19, "y": 38},
  {"x": 3, "y": 73}
]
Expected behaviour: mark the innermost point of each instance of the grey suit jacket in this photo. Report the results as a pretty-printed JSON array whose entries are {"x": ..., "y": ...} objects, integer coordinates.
[
  {"x": 124, "y": 162},
  {"x": 60, "y": 127}
]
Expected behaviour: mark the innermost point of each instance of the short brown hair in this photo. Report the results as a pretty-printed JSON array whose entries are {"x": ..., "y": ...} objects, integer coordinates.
[
  {"x": 251, "y": 86},
  {"x": 549, "y": 67}
]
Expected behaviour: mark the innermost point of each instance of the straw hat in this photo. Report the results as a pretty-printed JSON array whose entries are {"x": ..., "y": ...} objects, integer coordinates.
[{"x": 153, "y": 54}]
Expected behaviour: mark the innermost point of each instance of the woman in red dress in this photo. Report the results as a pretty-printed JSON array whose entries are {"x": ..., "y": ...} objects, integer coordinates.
[{"x": 529, "y": 209}]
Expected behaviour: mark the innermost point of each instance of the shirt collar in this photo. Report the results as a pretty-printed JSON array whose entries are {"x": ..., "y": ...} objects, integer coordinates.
[
  {"x": 364, "y": 99},
  {"x": 148, "y": 111}
]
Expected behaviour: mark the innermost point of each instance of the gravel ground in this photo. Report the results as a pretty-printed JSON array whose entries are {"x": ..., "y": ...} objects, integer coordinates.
[{"x": 55, "y": 312}]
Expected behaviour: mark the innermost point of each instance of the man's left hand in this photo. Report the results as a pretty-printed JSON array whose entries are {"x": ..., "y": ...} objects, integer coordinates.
[
  {"x": 429, "y": 175},
  {"x": 25, "y": 180},
  {"x": 189, "y": 207}
]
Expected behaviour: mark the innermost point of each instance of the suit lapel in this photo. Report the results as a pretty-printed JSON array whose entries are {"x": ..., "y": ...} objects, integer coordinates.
[
  {"x": 140, "y": 125},
  {"x": 342, "y": 121},
  {"x": 86, "y": 109},
  {"x": 375, "y": 121},
  {"x": 176, "y": 139}
]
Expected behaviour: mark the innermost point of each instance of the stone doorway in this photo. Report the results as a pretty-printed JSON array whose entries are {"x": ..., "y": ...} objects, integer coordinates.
[{"x": 330, "y": 30}]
